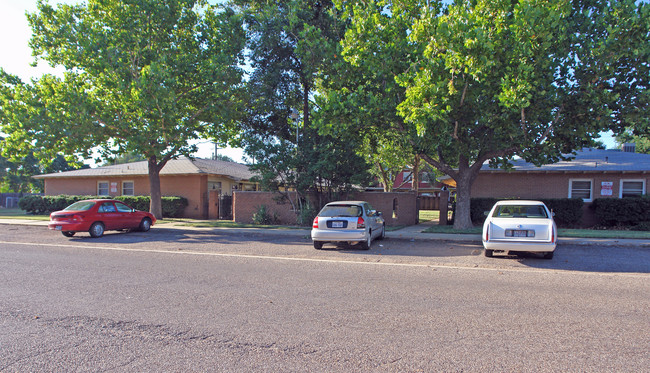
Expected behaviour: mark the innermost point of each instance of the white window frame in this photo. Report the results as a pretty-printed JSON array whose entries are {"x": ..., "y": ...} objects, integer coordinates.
[
  {"x": 108, "y": 188},
  {"x": 620, "y": 189},
  {"x": 132, "y": 187},
  {"x": 591, "y": 189}
]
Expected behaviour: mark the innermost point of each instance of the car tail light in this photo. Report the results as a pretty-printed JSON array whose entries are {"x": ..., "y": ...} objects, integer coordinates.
[
  {"x": 552, "y": 234},
  {"x": 487, "y": 232},
  {"x": 315, "y": 224},
  {"x": 361, "y": 223}
]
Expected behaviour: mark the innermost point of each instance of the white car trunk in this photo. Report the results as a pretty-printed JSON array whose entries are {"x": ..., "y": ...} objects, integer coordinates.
[
  {"x": 530, "y": 230},
  {"x": 338, "y": 223}
]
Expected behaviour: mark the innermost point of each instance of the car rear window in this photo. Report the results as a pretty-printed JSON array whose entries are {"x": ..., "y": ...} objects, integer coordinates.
[
  {"x": 80, "y": 206},
  {"x": 341, "y": 211},
  {"x": 520, "y": 211}
]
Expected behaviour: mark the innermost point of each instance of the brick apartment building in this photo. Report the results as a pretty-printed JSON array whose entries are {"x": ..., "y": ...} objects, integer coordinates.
[
  {"x": 593, "y": 173},
  {"x": 201, "y": 181}
]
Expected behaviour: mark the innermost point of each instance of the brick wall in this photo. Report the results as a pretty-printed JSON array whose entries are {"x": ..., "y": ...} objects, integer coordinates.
[{"x": 397, "y": 208}]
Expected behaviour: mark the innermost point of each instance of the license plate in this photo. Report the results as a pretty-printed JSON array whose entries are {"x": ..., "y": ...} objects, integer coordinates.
[
  {"x": 58, "y": 227},
  {"x": 520, "y": 233},
  {"x": 517, "y": 233},
  {"x": 337, "y": 224}
]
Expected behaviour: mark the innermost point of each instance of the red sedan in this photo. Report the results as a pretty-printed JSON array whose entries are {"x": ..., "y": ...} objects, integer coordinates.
[{"x": 98, "y": 215}]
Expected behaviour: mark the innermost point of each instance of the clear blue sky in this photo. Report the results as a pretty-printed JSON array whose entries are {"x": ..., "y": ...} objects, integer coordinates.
[{"x": 16, "y": 57}]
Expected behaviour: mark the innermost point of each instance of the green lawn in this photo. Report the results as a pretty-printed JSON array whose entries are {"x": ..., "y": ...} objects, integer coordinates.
[{"x": 20, "y": 214}]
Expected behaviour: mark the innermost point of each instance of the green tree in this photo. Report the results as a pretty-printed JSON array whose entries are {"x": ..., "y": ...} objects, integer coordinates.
[
  {"x": 143, "y": 77},
  {"x": 291, "y": 44},
  {"x": 493, "y": 79},
  {"x": 358, "y": 94},
  {"x": 642, "y": 142},
  {"x": 124, "y": 158}
]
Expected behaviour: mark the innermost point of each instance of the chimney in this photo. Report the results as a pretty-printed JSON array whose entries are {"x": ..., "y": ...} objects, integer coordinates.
[{"x": 629, "y": 147}]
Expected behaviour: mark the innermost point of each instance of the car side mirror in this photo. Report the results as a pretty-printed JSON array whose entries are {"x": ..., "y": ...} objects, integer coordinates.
[{"x": 486, "y": 213}]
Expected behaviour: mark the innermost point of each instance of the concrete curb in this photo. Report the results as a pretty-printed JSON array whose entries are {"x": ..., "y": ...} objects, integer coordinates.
[{"x": 412, "y": 233}]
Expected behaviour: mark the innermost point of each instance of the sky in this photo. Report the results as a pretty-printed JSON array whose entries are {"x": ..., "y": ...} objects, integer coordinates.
[{"x": 16, "y": 58}]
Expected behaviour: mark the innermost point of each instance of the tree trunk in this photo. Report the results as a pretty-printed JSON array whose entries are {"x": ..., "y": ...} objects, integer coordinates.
[
  {"x": 155, "y": 206},
  {"x": 462, "y": 216},
  {"x": 464, "y": 180}
]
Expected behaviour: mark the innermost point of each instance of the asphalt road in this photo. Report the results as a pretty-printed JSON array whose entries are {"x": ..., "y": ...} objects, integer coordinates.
[{"x": 201, "y": 300}]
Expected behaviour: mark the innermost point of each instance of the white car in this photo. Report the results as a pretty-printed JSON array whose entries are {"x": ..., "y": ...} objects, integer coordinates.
[
  {"x": 348, "y": 221},
  {"x": 520, "y": 226}
]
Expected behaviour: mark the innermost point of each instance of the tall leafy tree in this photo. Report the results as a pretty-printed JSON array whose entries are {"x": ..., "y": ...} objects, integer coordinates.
[
  {"x": 142, "y": 77},
  {"x": 493, "y": 79},
  {"x": 291, "y": 44},
  {"x": 359, "y": 94}
]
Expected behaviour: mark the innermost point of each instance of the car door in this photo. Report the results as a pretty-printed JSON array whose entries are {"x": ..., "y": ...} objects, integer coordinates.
[
  {"x": 109, "y": 215},
  {"x": 129, "y": 218},
  {"x": 373, "y": 219}
]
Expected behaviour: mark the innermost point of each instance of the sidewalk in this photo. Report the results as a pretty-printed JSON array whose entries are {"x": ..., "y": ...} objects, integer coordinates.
[{"x": 412, "y": 233}]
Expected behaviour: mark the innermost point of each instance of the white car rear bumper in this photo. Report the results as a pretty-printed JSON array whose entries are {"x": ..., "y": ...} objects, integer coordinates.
[{"x": 509, "y": 245}]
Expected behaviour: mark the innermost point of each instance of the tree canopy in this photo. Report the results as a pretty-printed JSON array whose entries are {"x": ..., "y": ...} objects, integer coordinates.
[
  {"x": 142, "y": 77},
  {"x": 488, "y": 80}
]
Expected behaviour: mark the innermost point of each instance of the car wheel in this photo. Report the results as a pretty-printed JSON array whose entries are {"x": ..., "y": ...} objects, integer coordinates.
[
  {"x": 365, "y": 245},
  {"x": 318, "y": 245},
  {"x": 68, "y": 233},
  {"x": 548, "y": 255},
  {"x": 96, "y": 230},
  {"x": 145, "y": 225},
  {"x": 489, "y": 253}
]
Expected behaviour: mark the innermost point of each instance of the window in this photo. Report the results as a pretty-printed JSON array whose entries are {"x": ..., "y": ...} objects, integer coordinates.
[
  {"x": 580, "y": 188},
  {"x": 107, "y": 207},
  {"x": 122, "y": 207},
  {"x": 632, "y": 188},
  {"x": 407, "y": 177},
  {"x": 102, "y": 188},
  {"x": 128, "y": 188}
]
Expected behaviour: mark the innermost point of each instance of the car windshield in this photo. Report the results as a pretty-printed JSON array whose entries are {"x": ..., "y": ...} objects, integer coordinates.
[
  {"x": 80, "y": 206},
  {"x": 520, "y": 211},
  {"x": 341, "y": 211}
]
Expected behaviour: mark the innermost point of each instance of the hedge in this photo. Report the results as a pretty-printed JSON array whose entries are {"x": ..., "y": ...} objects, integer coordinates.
[
  {"x": 628, "y": 211},
  {"x": 568, "y": 211},
  {"x": 172, "y": 207}
]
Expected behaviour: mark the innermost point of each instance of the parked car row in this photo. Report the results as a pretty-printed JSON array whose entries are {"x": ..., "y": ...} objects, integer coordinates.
[{"x": 510, "y": 226}]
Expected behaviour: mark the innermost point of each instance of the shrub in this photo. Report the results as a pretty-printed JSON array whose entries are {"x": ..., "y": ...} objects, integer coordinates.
[
  {"x": 306, "y": 215},
  {"x": 643, "y": 226},
  {"x": 628, "y": 211},
  {"x": 568, "y": 211},
  {"x": 478, "y": 207},
  {"x": 33, "y": 205},
  {"x": 263, "y": 217},
  {"x": 172, "y": 207}
]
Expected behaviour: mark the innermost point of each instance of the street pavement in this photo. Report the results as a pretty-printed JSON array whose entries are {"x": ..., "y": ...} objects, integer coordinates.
[{"x": 413, "y": 233}]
